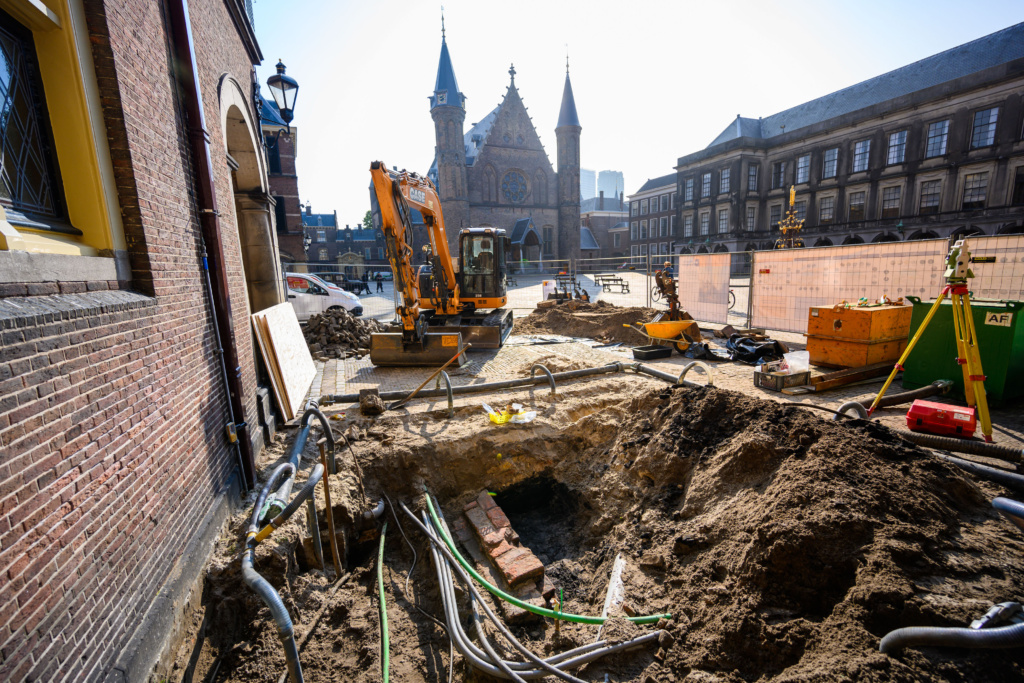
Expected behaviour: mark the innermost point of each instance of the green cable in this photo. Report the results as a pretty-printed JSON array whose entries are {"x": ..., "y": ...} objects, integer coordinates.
[
  {"x": 384, "y": 644},
  {"x": 543, "y": 611}
]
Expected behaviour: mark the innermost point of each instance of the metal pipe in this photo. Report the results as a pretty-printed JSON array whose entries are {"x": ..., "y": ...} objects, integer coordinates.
[
  {"x": 1008, "y": 479},
  {"x": 206, "y": 204},
  {"x": 489, "y": 386},
  {"x": 375, "y": 512},
  {"x": 551, "y": 378},
  {"x": 640, "y": 368},
  {"x": 697, "y": 364},
  {"x": 858, "y": 408},
  {"x": 304, "y": 494},
  {"x": 948, "y": 443},
  {"x": 448, "y": 387}
]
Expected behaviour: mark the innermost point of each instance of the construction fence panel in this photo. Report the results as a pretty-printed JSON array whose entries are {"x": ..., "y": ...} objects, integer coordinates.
[
  {"x": 703, "y": 282},
  {"x": 787, "y": 282},
  {"x": 526, "y": 281},
  {"x": 1004, "y": 279}
]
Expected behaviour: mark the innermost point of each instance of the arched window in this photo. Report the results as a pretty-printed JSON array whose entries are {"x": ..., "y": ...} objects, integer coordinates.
[{"x": 540, "y": 188}]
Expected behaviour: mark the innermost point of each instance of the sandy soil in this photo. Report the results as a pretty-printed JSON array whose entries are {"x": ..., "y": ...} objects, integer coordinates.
[
  {"x": 601, "y": 320},
  {"x": 784, "y": 545}
]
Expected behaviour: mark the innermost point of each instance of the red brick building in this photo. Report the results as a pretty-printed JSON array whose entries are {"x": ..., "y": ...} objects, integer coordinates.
[
  {"x": 284, "y": 181},
  {"x": 115, "y": 460}
]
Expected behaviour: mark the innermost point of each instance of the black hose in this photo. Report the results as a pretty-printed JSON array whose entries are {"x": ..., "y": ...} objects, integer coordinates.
[
  {"x": 1008, "y": 479},
  {"x": 306, "y": 492},
  {"x": 254, "y": 522},
  {"x": 489, "y": 386},
  {"x": 949, "y": 443},
  {"x": 1011, "y": 509},
  {"x": 997, "y": 637},
  {"x": 940, "y": 386}
]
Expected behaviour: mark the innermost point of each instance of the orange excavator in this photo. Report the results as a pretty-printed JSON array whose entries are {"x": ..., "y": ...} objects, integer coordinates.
[{"x": 444, "y": 308}]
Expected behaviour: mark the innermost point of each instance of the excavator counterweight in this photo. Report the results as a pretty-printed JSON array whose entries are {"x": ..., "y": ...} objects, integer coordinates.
[{"x": 441, "y": 306}]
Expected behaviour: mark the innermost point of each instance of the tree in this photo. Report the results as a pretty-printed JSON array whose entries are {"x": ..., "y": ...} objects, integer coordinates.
[{"x": 368, "y": 221}]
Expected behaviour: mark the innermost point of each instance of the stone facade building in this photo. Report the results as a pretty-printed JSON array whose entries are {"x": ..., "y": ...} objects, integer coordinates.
[
  {"x": 933, "y": 149},
  {"x": 498, "y": 172},
  {"x": 653, "y": 219},
  {"x": 348, "y": 251},
  {"x": 135, "y": 239},
  {"x": 606, "y": 220}
]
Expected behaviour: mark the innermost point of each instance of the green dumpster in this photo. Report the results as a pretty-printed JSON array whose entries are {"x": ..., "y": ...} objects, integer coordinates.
[{"x": 1000, "y": 341}]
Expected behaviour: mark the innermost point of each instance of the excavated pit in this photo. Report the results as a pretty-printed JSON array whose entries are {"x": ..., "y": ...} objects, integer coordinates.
[{"x": 784, "y": 545}]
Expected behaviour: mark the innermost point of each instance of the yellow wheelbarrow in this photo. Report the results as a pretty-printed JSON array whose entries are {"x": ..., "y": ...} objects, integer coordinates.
[{"x": 677, "y": 333}]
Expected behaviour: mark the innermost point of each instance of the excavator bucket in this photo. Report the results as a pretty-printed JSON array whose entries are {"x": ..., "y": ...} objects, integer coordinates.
[{"x": 436, "y": 348}]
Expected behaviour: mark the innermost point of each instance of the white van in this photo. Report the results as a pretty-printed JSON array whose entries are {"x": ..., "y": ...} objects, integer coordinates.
[{"x": 309, "y": 295}]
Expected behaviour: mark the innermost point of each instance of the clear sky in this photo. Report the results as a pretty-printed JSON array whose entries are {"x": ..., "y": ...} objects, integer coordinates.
[{"x": 653, "y": 80}]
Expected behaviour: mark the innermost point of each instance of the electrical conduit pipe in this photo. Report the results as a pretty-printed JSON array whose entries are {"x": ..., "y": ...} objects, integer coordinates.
[{"x": 566, "y": 616}]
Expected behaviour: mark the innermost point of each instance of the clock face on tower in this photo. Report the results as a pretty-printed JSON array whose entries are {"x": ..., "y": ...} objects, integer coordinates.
[
  {"x": 442, "y": 97},
  {"x": 513, "y": 187}
]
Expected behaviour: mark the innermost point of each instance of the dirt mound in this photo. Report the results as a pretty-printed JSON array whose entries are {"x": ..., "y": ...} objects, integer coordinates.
[
  {"x": 338, "y": 334},
  {"x": 787, "y": 545},
  {"x": 784, "y": 545},
  {"x": 601, "y": 320}
]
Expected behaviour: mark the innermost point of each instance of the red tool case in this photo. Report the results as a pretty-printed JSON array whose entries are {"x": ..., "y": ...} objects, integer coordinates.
[{"x": 942, "y": 419}]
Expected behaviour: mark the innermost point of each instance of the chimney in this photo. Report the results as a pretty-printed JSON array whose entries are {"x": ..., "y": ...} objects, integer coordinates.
[
  {"x": 309, "y": 209},
  {"x": 600, "y": 202}
]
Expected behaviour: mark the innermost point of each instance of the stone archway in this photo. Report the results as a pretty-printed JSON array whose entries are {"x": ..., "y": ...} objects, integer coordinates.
[
  {"x": 923, "y": 235},
  {"x": 854, "y": 239},
  {"x": 885, "y": 237},
  {"x": 823, "y": 242},
  {"x": 721, "y": 249},
  {"x": 254, "y": 215}
]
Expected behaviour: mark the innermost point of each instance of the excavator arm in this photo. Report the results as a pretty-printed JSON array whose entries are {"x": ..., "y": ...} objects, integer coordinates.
[{"x": 395, "y": 192}]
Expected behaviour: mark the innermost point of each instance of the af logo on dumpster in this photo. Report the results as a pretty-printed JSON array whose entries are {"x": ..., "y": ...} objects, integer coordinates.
[{"x": 1000, "y": 318}]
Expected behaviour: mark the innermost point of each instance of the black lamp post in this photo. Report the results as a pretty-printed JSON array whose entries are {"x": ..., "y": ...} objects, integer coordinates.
[{"x": 284, "y": 90}]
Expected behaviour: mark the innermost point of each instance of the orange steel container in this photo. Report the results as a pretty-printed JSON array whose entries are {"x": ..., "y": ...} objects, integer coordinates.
[{"x": 841, "y": 337}]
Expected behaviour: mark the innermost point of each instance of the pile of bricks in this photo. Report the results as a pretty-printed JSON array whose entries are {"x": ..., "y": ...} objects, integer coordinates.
[{"x": 500, "y": 542}]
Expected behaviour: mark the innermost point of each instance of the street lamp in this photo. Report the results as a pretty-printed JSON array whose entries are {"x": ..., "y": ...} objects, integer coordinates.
[{"x": 284, "y": 90}]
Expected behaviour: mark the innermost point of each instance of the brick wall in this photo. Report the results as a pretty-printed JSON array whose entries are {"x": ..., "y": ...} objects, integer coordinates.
[{"x": 112, "y": 406}]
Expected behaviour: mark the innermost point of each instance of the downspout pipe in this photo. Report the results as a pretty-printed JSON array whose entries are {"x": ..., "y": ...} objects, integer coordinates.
[{"x": 206, "y": 199}]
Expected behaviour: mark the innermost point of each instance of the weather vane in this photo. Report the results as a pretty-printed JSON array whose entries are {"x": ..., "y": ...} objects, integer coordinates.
[
  {"x": 442, "y": 22},
  {"x": 567, "y": 59}
]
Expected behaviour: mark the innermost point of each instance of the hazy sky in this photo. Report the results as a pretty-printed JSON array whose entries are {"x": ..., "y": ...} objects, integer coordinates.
[{"x": 653, "y": 80}]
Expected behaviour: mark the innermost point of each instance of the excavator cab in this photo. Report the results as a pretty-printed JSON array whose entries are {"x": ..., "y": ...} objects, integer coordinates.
[{"x": 482, "y": 266}]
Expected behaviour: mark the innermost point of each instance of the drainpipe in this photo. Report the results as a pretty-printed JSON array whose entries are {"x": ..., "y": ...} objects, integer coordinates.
[{"x": 186, "y": 72}]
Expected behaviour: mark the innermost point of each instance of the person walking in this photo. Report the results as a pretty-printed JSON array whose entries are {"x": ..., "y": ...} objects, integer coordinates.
[{"x": 380, "y": 281}]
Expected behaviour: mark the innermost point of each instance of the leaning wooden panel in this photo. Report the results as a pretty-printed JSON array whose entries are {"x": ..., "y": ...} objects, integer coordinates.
[
  {"x": 263, "y": 341},
  {"x": 291, "y": 353}
]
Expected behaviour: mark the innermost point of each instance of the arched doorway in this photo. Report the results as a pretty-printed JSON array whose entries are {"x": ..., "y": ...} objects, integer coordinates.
[
  {"x": 254, "y": 216},
  {"x": 1011, "y": 229},
  {"x": 721, "y": 249},
  {"x": 854, "y": 239},
  {"x": 702, "y": 250},
  {"x": 823, "y": 242},
  {"x": 923, "y": 235},
  {"x": 965, "y": 231},
  {"x": 885, "y": 237}
]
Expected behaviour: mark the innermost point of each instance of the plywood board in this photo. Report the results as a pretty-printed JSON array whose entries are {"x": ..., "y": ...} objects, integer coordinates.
[
  {"x": 289, "y": 355},
  {"x": 263, "y": 341}
]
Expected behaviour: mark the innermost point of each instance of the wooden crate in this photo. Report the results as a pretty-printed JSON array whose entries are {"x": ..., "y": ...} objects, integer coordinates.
[{"x": 860, "y": 335}]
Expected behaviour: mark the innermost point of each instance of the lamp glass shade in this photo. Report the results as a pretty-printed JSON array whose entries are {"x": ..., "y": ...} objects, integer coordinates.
[{"x": 284, "y": 89}]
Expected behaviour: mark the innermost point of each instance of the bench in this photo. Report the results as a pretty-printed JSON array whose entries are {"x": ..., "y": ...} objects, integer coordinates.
[
  {"x": 608, "y": 283},
  {"x": 600, "y": 279}
]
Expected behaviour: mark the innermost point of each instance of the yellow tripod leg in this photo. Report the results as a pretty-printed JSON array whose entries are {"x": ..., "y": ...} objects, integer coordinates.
[
  {"x": 977, "y": 374},
  {"x": 960, "y": 335},
  {"x": 906, "y": 353}
]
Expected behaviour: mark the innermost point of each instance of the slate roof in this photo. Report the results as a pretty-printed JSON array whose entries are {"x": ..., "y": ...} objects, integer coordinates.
[
  {"x": 318, "y": 220},
  {"x": 984, "y": 53},
  {"x": 567, "y": 114},
  {"x": 445, "y": 81},
  {"x": 661, "y": 181},
  {"x": 520, "y": 229},
  {"x": 363, "y": 235},
  {"x": 587, "y": 240},
  {"x": 610, "y": 204},
  {"x": 620, "y": 226}
]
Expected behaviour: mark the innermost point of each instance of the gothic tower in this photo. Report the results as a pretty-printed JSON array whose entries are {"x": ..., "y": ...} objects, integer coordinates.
[
  {"x": 568, "y": 134},
  {"x": 448, "y": 109}
]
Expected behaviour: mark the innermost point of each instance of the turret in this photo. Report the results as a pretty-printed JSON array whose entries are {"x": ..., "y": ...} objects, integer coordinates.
[
  {"x": 567, "y": 133},
  {"x": 448, "y": 109}
]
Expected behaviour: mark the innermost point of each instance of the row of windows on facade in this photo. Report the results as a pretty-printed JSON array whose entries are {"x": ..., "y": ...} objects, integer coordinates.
[
  {"x": 936, "y": 145},
  {"x": 323, "y": 254},
  {"x": 656, "y": 249},
  {"x": 659, "y": 227},
  {"x": 642, "y": 207},
  {"x": 974, "y": 197}
]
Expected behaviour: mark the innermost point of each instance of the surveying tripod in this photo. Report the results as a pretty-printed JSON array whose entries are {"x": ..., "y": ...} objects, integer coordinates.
[{"x": 968, "y": 357}]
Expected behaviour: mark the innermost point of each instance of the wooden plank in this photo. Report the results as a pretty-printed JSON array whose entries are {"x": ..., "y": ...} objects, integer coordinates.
[
  {"x": 263, "y": 341},
  {"x": 292, "y": 354},
  {"x": 832, "y": 380}
]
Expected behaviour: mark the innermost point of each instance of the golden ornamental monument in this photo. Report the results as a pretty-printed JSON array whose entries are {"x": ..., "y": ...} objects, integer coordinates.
[{"x": 790, "y": 225}]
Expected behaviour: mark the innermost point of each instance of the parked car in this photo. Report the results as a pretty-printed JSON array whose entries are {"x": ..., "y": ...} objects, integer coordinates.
[{"x": 310, "y": 295}]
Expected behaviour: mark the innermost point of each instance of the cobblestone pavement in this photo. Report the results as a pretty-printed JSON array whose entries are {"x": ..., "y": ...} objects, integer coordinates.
[{"x": 516, "y": 358}]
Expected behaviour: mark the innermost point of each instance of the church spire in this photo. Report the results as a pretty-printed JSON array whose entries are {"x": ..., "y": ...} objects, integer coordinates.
[
  {"x": 446, "y": 88},
  {"x": 567, "y": 115}
]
